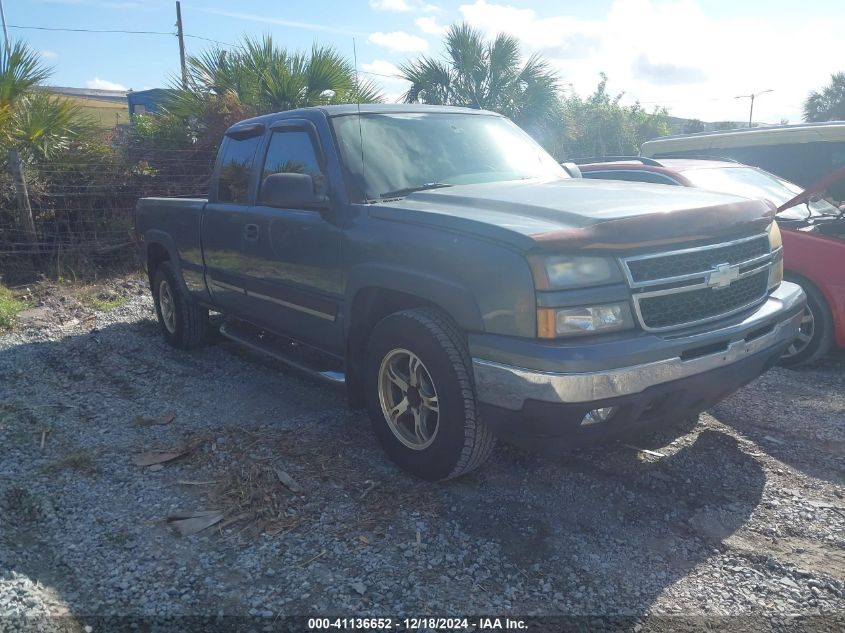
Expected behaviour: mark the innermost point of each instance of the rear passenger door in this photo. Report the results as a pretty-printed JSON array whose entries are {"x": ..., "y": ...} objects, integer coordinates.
[
  {"x": 224, "y": 219},
  {"x": 292, "y": 262}
]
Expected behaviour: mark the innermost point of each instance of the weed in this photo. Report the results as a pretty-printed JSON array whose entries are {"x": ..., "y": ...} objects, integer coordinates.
[
  {"x": 9, "y": 308},
  {"x": 91, "y": 298},
  {"x": 80, "y": 461}
]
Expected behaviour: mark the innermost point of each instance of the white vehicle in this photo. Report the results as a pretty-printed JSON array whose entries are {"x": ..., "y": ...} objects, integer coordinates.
[{"x": 803, "y": 154}]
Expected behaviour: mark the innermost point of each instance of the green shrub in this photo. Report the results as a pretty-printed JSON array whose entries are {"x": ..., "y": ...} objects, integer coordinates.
[{"x": 9, "y": 308}]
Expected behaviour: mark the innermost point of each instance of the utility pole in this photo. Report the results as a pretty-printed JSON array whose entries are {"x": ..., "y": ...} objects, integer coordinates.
[
  {"x": 5, "y": 32},
  {"x": 752, "y": 96},
  {"x": 181, "y": 37},
  {"x": 24, "y": 208}
]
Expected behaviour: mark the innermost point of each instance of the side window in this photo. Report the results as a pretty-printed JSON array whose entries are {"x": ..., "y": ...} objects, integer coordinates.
[
  {"x": 236, "y": 169},
  {"x": 293, "y": 152}
]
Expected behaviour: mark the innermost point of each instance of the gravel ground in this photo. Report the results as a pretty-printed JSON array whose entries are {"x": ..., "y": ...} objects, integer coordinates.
[{"x": 741, "y": 513}]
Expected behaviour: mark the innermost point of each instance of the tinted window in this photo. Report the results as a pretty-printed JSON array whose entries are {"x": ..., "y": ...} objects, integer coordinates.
[
  {"x": 235, "y": 169},
  {"x": 293, "y": 153},
  {"x": 387, "y": 154}
]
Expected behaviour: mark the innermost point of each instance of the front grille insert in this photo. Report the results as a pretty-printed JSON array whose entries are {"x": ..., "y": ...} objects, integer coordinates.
[
  {"x": 697, "y": 285},
  {"x": 688, "y": 307},
  {"x": 697, "y": 260}
]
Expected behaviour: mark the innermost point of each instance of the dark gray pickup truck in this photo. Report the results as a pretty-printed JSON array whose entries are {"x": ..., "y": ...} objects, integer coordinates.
[{"x": 446, "y": 269}]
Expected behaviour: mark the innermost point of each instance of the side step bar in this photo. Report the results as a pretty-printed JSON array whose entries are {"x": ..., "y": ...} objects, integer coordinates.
[{"x": 281, "y": 349}]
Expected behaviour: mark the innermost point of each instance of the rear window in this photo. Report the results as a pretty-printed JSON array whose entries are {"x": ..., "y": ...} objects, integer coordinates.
[{"x": 236, "y": 169}]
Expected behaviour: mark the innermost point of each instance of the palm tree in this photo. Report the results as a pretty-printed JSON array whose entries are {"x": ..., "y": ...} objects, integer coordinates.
[
  {"x": 261, "y": 77},
  {"x": 489, "y": 75},
  {"x": 33, "y": 121},
  {"x": 34, "y": 125},
  {"x": 829, "y": 104}
]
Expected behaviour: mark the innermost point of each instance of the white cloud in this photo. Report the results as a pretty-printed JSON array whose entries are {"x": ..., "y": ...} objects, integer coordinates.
[
  {"x": 48, "y": 54},
  {"x": 399, "y": 42},
  {"x": 404, "y": 6},
  {"x": 390, "y": 5},
  {"x": 428, "y": 24},
  {"x": 269, "y": 19},
  {"x": 675, "y": 53},
  {"x": 382, "y": 67},
  {"x": 103, "y": 84},
  {"x": 389, "y": 77}
]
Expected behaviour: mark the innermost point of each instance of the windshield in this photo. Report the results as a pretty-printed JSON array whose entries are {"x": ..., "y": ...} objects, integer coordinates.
[
  {"x": 407, "y": 151},
  {"x": 754, "y": 183}
]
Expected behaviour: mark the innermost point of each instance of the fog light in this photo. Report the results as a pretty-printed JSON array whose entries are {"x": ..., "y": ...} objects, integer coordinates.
[{"x": 598, "y": 415}]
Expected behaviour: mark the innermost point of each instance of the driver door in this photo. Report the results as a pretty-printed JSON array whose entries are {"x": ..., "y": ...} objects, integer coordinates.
[{"x": 291, "y": 259}]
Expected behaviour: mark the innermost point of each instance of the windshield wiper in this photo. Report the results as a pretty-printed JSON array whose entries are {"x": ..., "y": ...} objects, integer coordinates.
[{"x": 398, "y": 193}]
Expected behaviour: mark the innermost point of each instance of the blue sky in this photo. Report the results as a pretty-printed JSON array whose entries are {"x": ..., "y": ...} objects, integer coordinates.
[{"x": 692, "y": 56}]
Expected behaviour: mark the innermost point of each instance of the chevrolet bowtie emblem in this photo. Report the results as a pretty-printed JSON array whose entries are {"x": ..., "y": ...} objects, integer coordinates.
[{"x": 722, "y": 276}]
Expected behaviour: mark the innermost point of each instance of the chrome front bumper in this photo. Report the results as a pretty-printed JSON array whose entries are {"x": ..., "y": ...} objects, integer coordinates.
[{"x": 770, "y": 327}]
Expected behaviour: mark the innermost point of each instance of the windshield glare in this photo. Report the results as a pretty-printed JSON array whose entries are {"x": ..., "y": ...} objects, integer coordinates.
[
  {"x": 753, "y": 183},
  {"x": 408, "y": 150}
]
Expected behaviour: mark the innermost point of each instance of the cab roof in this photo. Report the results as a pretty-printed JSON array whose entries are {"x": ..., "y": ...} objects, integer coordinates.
[{"x": 354, "y": 108}]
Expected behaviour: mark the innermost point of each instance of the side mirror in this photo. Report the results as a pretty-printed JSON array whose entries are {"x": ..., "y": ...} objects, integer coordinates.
[{"x": 290, "y": 191}]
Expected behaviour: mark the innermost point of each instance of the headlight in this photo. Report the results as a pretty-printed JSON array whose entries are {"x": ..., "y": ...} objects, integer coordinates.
[
  {"x": 776, "y": 246},
  {"x": 554, "y": 322},
  {"x": 560, "y": 272}
]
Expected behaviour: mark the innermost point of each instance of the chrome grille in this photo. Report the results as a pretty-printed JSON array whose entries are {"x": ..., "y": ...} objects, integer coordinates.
[{"x": 696, "y": 285}]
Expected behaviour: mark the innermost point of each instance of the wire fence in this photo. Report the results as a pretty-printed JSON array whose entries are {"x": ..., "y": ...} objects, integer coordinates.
[{"x": 83, "y": 207}]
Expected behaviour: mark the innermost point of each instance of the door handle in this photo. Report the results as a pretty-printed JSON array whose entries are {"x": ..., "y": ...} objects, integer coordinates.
[{"x": 251, "y": 232}]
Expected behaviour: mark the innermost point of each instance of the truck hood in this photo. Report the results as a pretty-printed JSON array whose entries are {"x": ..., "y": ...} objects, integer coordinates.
[{"x": 582, "y": 214}]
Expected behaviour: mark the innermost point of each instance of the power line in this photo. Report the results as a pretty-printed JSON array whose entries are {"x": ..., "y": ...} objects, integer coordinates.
[
  {"x": 208, "y": 39},
  {"x": 120, "y": 31},
  {"x": 51, "y": 28}
]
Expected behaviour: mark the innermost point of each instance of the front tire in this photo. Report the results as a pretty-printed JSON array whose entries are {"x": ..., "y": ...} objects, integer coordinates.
[
  {"x": 815, "y": 337},
  {"x": 183, "y": 322},
  {"x": 421, "y": 395}
]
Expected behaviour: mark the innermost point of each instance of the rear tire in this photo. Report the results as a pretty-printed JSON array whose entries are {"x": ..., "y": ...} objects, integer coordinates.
[
  {"x": 421, "y": 396},
  {"x": 815, "y": 338},
  {"x": 182, "y": 321}
]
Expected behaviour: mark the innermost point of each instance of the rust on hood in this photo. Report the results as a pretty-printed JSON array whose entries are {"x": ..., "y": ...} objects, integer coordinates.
[{"x": 659, "y": 229}]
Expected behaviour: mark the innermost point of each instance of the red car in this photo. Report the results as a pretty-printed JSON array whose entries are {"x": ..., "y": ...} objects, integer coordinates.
[{"x": 813, "y": 239}]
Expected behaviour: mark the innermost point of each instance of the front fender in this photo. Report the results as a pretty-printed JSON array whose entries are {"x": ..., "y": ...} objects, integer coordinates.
[{"x": 455, "y": 299}]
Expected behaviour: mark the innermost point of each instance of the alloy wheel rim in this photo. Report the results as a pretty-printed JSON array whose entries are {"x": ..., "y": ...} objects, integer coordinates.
[
  {"x": 408, "y": 399},
  {"x": 806, "y": 331},
  {"x": 167, "y": 306}
]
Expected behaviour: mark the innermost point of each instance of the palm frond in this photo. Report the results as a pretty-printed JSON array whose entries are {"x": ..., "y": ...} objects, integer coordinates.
[
  {"x": 47, "y": 125},
  {"x": 431, "y": 81},
  {"x": 467, "y": 54},
  {"x": 328, "y": 70},
  {"x": 21, "y": 70},
  {"x": 502, "y": 67}
]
